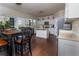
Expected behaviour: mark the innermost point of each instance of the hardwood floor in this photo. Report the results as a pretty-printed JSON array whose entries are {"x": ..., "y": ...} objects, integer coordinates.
[
  {"x": 42, "y": 47},
  {"x": 45, "y": 47}
]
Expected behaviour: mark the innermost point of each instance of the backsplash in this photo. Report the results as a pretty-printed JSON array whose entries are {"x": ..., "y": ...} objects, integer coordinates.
[{"x": 75, "y": 26}]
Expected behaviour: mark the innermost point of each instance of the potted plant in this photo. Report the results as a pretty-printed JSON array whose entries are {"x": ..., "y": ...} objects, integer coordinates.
[
  {"x": 1, "y": 25},
  {"x": 7, "y": 25}
]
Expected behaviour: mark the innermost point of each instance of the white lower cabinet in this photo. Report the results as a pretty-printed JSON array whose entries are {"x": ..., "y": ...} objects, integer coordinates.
[
  {"x": 51, "y": 30},
  {"x": 68, "y": 47}
]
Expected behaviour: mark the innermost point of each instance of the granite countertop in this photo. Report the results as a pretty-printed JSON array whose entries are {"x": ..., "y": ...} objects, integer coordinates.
[
  {"x": 41, "y": 29},
  {"x": 68, "y": 35}
]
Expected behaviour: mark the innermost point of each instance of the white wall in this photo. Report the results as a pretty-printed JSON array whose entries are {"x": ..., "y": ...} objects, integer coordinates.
[
  {"x": 4, "y": 11},
  {"x": 75, "y": 26},
  {"x": 59, "y": 13}
]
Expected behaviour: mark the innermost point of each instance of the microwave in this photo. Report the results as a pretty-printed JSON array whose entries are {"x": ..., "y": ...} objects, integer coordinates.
[{"x": 67, "y": 26}]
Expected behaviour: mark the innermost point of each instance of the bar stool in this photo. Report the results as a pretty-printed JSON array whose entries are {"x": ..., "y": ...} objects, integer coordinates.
[
  {"x": 3, "y": 44},
  {"x": 23, "y": 44}
]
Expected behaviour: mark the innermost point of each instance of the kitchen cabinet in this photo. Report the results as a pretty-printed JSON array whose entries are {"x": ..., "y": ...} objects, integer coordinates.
[
  {"x": 72, "y": 10},
  {"x": 51, "y": 30},
  {"x": 42, "y": 33},
  {"x": 68, "y": 47}
]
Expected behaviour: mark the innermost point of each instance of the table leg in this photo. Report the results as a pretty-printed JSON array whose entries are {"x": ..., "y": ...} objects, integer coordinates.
[{"x": 9, "y": 47}]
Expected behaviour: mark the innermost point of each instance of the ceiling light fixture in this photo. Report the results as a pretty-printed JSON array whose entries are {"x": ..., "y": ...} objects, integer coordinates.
[
  {"x": 18, "y": 3},
  {"x": 41, "y": 12}
]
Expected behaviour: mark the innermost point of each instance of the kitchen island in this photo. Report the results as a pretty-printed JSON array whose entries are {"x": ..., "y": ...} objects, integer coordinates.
[{"x": 42, "y": 33}]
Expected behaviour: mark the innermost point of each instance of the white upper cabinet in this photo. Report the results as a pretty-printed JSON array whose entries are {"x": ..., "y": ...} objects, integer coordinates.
[{"x": 72, "y": 10}]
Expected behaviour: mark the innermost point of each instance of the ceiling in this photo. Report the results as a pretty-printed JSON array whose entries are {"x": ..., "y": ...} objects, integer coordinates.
[{"x": 36, "y": 9}]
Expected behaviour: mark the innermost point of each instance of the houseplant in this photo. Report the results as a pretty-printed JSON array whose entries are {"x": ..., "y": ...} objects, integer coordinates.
[
  {"x": 7, "y": 25},
  {"x": 1, "y": 25}
]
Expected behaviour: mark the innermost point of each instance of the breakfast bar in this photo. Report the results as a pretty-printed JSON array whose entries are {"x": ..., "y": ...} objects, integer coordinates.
[{"x": 42, "y": 33}]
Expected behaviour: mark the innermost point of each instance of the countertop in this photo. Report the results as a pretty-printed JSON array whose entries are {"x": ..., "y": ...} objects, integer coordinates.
[
  {"x": 68, "y": 35},
  {"x": 40, "y": 29}
]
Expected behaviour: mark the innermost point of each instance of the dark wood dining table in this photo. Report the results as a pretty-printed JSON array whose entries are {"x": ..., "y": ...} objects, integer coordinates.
[{"x": 11, "y": 34}]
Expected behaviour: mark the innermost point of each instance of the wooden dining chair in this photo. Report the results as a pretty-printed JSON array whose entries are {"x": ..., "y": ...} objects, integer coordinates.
[
  {"x": 1, "y": 30},
  {"x": 3, "y": 41},
  {"x": 23, "y": 44},
  {"x": 3, "y": 44}
]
